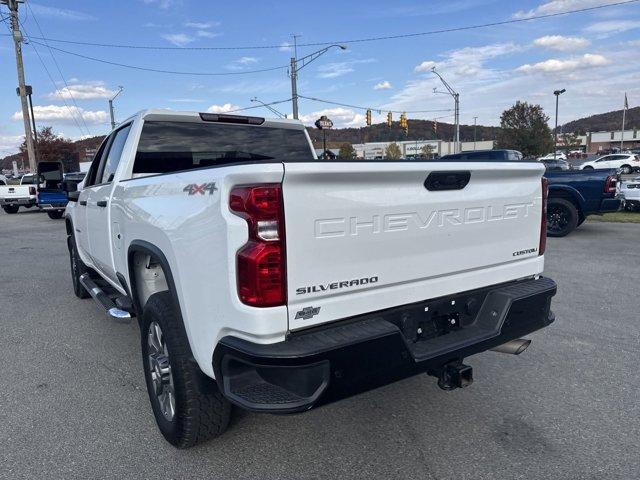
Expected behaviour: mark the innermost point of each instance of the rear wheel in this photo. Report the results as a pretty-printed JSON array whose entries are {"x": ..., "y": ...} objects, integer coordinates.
[
  {"x": 626, "y": 169},
  {"x": 55, "y": 214},
  {"x": 187, "y": 404},
  {"x": 562, "y": 217},
  {"x": 11, "y": 208},
  {"x": 588, "y": 167},
  {"x": 78, "y": 268}
]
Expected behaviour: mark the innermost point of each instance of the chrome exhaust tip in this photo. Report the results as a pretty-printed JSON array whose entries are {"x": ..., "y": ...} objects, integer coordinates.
[{"x": 513, "y": 347}]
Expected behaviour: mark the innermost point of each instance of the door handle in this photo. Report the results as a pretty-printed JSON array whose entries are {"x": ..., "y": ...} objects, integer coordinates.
[
  {"x": 83, "y": 203},
  {"x": 101, "y": 203}
]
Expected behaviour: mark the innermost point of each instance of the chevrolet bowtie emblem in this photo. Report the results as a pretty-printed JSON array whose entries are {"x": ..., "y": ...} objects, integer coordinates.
[{"x": 307, "y": 312}]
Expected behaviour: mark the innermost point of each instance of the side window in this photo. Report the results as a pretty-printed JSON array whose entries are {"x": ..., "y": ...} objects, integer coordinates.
[
  {"x": 95, "y": 163},
  {"x": 109, "y": 165},
  {"x": 605, "y": 158}
]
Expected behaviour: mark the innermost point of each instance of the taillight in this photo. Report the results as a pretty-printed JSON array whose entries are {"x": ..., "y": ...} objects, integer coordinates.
[
  {"x": 32, "y": 190},
  {"x": 260, "y": 263},
  {"x": 543, "y": 217},
  {"x": 610, "y": 184}
]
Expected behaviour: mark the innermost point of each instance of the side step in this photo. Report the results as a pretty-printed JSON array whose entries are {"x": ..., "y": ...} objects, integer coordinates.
[{"x": 114, "y": 308}]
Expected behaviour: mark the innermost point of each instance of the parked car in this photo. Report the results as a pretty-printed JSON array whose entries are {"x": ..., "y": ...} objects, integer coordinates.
[
  {"x": 630, "y": 194},
  {"x": 575, "y": 194},
  {"x": 265, "y": 278},
  {"x": 51, "y": 196},
  {"x": 484, "y": 156},
  {"x": 12, "y": 197},
  {"x": 626, "y": 162},
  {"x": 550, "y": 156},
  {"x": 555, "y": 165}
]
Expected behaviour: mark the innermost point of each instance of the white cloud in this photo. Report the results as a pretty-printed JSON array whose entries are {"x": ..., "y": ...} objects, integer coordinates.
[
  {"x": 612, "y": 26},
  {"x": 338, "y": 69},
  {"x": 162, "y": 4},
  {"x": 63, "y": 114},
  {"x": 385, "y": 85},
  {"x": 227, "y": 107},
  {"x": 557, "y": 6},
  {"x": 61, "y": 13},
  {"x": 81, "y": 91},
  {"x": 425, "y": 66},
  {"x": 568, "y": 65},
  {"x": 242, "y": 63},
  {"x": 563, "y": 44},
  {"x": 207, "y": 34},
  {"x": 286, "y": 47},
  {"x": 9, "y": 144},
  {"x": 185, "y": 100},
  {"x": 341, "y": 117},
  {"x": 201, "y": 25},
  {"x": 178, "y": 39}
]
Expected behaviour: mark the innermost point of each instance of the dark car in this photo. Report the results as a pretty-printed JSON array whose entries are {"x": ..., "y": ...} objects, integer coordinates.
[
  {"x": 484, "y": 156},
  {"x": 556, "y": 165}
]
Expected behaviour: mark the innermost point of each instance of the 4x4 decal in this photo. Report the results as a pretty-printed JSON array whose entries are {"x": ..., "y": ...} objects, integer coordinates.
[{"x": 194, "y": 188}]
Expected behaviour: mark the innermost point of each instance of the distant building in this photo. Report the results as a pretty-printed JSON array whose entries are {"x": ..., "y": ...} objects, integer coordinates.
[
  {"x": 373, "y": 150},
  {"x": 607, "y": 141}
]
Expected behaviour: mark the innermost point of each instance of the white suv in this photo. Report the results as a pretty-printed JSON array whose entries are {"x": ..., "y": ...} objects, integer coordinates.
[{"x": 627, "y": 162}]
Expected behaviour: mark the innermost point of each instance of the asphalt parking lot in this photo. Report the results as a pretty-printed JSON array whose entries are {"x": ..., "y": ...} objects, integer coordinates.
[{"x": 73, "y": 402}]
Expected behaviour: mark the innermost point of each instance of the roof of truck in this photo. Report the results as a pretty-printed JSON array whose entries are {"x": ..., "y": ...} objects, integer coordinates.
[{"x": 192, "y": 116}]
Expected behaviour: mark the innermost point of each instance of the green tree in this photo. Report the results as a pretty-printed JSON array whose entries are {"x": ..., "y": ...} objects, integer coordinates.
[
  {"x": 347, "y": 152},
  {"x": 52, "y": 147},
  {"x": 393, "y": 151},
  {"x": 570, "y": 140},
  {"x": 426, "y": 150},
  {"x": 524, "y": 127}
]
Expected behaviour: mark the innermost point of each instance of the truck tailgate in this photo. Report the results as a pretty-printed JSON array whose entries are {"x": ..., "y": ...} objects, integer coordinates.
[{"x": 364, "y": 236}]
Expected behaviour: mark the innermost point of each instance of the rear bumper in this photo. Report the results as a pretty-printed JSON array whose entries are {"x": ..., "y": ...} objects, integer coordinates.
[
  {"x": 329, "y": 363},
  {"x": 17, "y": 201},
  {"x": 609, "y": 205},
  {"x": 52, "y": 206}
]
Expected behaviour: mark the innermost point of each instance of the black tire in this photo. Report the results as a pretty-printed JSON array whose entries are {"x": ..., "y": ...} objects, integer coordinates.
[
  {"x": 562, "y": 217},
  {"x": 55, "y": 214},
  {"x": 626, "y": 169},
  {"x": 629, "y": 207},
  {"x": 200, "y": 411},
  {"x": 78, "y": 268},
  {"x": 10, "y": 209},
  {"x": 588, "y": 167}
]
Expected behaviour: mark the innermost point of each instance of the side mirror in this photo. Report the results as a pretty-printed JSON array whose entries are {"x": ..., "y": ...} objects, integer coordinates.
[{"x": 73, "y": 196}]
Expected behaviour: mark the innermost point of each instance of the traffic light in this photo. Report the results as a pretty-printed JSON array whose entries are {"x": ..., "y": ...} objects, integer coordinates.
[
  {"x": 368, "y": 118},
  {"x": 404, "y": 124},
  {"x": 389, "y": 119}
]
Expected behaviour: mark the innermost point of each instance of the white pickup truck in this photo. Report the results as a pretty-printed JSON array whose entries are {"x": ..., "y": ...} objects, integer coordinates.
[
  {"x": 268, "y": 279},
  {"x": 12, "y": 197}
]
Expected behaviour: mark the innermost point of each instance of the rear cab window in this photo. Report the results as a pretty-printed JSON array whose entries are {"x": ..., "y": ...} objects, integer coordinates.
[{"x": 172, "y": 146}]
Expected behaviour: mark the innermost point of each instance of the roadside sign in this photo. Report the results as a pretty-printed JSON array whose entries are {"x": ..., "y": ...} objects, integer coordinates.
[{"x": 324, "y": 123}]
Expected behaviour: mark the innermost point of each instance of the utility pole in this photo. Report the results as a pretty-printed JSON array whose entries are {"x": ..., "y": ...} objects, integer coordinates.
[
  {"x": 475, "y": 123},
  {"x": 17, "y": 41},
  {"x": 299, "y": 63},
  {"x": 113, "y": 120},
  {"x": 624, "y": 111},
  {"x": 557, "y": 93},
  {"x": 456, "y": 112}
]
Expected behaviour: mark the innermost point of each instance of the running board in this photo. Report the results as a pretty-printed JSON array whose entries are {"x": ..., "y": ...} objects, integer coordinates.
[{"x": 105, "y": 301}]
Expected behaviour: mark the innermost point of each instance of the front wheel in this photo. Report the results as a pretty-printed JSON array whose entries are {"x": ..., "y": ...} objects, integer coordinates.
[
  {"x": 562, "y": 217},
  {"x": 588, "y": 167},
  {"x": 55, "y": 214},
  {"x": 78, "y": 268},
  {"x": 626, "y": 169},
  {"x": 11, "y": 208},
  {"x": 187, "y": 404}
]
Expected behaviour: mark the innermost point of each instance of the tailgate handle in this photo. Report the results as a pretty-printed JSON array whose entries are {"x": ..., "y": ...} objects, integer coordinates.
[{"x": 455, "y": 180}]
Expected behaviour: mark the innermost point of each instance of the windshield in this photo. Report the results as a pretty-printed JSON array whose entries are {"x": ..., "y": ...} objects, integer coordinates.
[
  {"x": 174, "y": 146},
  {"x": 27, "y": 180}
]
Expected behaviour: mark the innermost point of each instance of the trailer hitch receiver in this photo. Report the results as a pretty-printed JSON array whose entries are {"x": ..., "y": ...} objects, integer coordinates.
[{"x": 455, "y": 375}]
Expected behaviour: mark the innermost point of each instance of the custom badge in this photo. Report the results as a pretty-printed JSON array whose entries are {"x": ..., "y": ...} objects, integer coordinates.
[{"x": 195, "y": 189}]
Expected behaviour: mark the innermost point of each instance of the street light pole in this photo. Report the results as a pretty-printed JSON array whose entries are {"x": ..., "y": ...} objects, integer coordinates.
[
  {"x": 269, "y": 107},
  {"x": 296, "y": 65},
  {"x": 456, "y": 113},
  {"x": 17, "y": 41},
  {"x": 475, "y": 122},
  {"x": 557, "y": 93},
  {"x": 113, "y": 120}
]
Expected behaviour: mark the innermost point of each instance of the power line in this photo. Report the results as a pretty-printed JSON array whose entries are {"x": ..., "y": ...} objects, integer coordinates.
[
  {"x": 53, "y": 57},
  {"x": 257, "y": 106},
  {"x": 156, "y": 70},
  {"x": 355, "y": 40},
  {"x": 379, "y": 109}
]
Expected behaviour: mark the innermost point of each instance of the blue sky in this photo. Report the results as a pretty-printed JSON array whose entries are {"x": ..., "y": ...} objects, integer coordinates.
[{"x": 594, "y": 55}]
